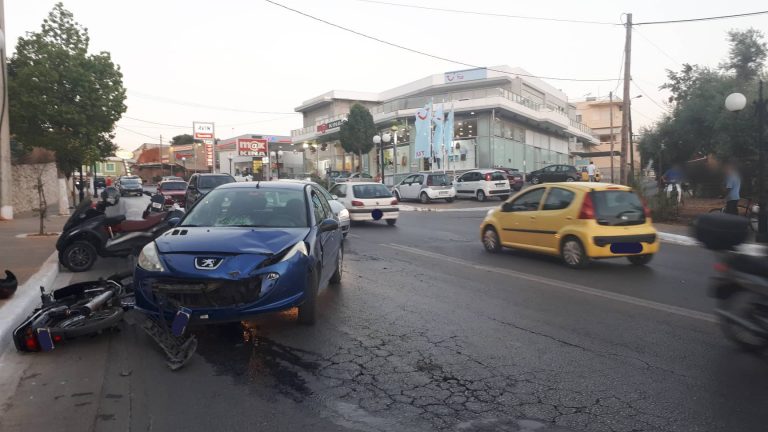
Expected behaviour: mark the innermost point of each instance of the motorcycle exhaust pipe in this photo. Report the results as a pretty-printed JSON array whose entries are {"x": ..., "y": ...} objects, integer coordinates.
[
  {"x": 98, "y": 301},
  {"x": 746, "y": 324}
]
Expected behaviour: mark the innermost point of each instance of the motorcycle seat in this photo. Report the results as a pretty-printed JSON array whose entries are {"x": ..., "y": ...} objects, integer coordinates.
[
  {"x": 141, "y": 225},
  {"x": 756, "y": 265},
  {"x": 114, "y": 220}
]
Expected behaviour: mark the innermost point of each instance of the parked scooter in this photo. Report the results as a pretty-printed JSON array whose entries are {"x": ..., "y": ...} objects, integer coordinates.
[
  {"x": 90, "y": 233},
  {"x": 741, "y": 285}
]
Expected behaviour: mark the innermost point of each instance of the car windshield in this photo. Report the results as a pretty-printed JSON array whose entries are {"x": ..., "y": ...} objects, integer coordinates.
[
  {"x": 371, "y": 191},
  {"x": 130, "y": 181},
  {"x": 618, "y": 208},
  {"x": 173, "y": 185},
  {"x": 250, "y": 207},
  {"x": 210, "y": 182}
]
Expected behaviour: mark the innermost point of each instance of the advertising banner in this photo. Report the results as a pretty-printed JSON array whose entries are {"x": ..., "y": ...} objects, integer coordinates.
[
  {"x": 251, "y": 147},
  {"x": 203, "y": 130}
]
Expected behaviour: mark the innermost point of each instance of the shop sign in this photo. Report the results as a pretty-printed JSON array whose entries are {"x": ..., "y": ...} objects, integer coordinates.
[
  {"x": 202, "y": 130},
  {"x": 323, "y": 128},
  {"x": 209, "y": 154},
  {"x": 466, "y": 75},
  {"x": 251, "y": 147}
]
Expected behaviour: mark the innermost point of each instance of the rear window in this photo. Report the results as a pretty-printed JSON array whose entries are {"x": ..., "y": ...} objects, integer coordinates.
[
  {"x": 371, "y": 191},
  {"x": 498, "y": 175},
  {"x": 618, "y": 208},
  {"x": 438, "y": 180},
  {"x": 173, "y": 186},
  {"x": 213, "y": 181}
]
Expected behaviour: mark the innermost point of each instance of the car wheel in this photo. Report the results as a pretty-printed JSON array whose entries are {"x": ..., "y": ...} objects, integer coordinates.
[
  {"x": 308, "y": 309},
  {"x": 573, "y": 254},
  {"x": 570, "y": 179},
  {"x": 491, "y": 240},
  {"x": 535, "y": 180},
  {"x": 336, "y": 277},
  {"x": 424, "y": 198},
  {"x": 640, "y": 260},
  {"x": 449, "y": 200},
  {"x": 79, "y": 256},
  {"x": 480, "y": 195},
  {"x": 397, "y": 195}
]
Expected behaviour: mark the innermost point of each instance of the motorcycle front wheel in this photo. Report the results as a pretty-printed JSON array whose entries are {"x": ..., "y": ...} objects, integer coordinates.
[{"x": 747, "y": 306}]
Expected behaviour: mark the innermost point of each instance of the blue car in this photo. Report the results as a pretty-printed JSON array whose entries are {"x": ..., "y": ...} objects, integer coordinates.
[{"x": 243, "y": 250}]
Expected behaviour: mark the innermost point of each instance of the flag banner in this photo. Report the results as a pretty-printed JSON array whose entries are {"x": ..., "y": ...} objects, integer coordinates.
[
  {"x": 448, "y": 132},
  {"x": 423, "y": 130},
  {"x": 437, "y": 138}
]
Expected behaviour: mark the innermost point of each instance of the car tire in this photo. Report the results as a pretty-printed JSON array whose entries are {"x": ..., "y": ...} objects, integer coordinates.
[
  {"x": 640, "y": 260},
  {"x": 397, "y": 195},
  {"x": 308, "y": 309},
  {"x": 480, "y": 195},
  {"x": 449, "y": 200},
  {"x": 391, "y": 222},
  {"x": 78, "y": 256},
  {"x": 573, "y": 253},
  {"x": 424, "y": 198},
  {"x": 535, "y": 180},
  {"x": 336, "y": 277},
  {"x": 491, "y": 241}
]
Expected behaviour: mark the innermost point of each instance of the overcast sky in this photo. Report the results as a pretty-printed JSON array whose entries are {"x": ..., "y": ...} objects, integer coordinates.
[{"x": 250, "y": 55}]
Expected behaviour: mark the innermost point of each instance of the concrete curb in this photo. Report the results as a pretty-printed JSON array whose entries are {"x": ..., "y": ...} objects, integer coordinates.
[{"x": 25, "y": 300}]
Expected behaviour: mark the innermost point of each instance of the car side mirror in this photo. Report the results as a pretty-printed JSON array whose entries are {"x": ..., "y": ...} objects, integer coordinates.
[
  {"x": 172, "y": 222},
  {"x": 329, "y": 225},
  {"x": 334, "y": 197}
]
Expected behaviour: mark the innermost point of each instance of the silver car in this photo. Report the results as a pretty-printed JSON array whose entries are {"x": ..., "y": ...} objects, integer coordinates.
[{"x": 341, "y": 212}]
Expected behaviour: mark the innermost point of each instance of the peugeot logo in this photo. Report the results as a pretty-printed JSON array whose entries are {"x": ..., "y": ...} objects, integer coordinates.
[{"x": 207, "y": 263}]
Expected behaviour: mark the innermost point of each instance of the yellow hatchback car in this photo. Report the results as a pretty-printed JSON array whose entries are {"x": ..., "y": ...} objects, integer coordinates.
[{"x": 578, "y": 221}]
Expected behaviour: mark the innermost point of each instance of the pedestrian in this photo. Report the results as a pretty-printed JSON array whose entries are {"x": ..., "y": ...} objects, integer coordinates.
[
  {"x": 733, "y": 189},
  {"x": 108, "y": 181},
  {"x": 591, "y": 171}
]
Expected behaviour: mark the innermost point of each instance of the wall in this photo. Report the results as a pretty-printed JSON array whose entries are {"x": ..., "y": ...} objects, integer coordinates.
[{"x": 25, "y": 183}]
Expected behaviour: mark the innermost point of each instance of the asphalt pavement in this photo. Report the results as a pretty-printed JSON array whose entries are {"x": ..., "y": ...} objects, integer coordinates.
[{"x": 426, "y": 332}]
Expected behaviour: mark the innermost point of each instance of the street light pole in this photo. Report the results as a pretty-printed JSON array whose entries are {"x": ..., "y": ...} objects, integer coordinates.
[
  {"x": 230, "y": 164},
  {"x": 184, "y": 162},
  {"x": 381, "y": 140}
]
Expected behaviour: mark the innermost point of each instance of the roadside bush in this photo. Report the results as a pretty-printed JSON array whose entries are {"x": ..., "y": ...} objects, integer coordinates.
[{"x": 663, "y": 209}]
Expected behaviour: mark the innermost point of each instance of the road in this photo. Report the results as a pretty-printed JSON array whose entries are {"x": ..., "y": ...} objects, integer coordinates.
[{"x": 426, "y": 332}]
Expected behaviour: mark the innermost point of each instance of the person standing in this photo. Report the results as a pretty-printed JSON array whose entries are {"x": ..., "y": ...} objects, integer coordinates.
[
  {"x": 733, "y": 189},
  {"x": 591, "y": 171}
]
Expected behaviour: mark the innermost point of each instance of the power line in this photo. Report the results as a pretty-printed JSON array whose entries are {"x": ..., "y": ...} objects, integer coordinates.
[
  {"x": 156, "y": 123},
  {"x": 255, "y": 121},
  {"x": 498, "y": 15},
  {"x": 197, "y": 105},
  {"x": 648, "y": 96},
  {"x": 657, "y": 47},
  {"x": 137, "y": 133},
  {"x": 702, "y": 19},
  {"x": 621, "y": 70},
  {"x": 425, "y": 53}
]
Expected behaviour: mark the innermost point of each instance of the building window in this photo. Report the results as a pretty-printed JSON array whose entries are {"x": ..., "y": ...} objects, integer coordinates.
[
  {"x": 465, "y": 128},
  {"x": 110, "y": 167}
]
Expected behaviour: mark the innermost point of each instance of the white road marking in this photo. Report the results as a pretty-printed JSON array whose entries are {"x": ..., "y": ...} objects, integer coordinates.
[
  {"x": 353, "y": 235},
  {"x": 688, "y": 313}
]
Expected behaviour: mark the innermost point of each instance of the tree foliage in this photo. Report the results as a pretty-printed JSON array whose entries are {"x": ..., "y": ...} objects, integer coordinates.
[
  {"x": 182, "y": 139},
  {"x": 61, "y": 97},
  {"x": 356, "y": 134},
  {"x": 698, "y": 123}
]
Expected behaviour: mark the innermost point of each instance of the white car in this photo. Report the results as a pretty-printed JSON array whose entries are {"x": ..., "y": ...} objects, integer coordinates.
[
  {"x": 367, "y": 201},
  {"x": 425, "y": 187},
  {"x": 482, "y": 184},
  {"x": 341, "y": 213}
]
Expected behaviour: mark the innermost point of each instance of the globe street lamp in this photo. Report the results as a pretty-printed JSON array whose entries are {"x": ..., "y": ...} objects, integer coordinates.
[
  {"x": 737, "y": 102},
  {"x": 381, "y": 140}
]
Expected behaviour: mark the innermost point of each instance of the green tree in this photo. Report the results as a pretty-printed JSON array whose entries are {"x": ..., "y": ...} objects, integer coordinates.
[
  {"x": 747, "y": 55},
  {"x": 61, "y": 97},
  {"x": 356, "y": 134},
  {"x": 182, "y": 139}
]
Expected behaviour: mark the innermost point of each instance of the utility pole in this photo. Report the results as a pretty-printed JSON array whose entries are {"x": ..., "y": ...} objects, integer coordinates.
[
  {"x": 6, "y": 202},
  {"x": 610, "y": 98},
  {"x": 625, "y": 102},
  {"x": 631, "y": 145}
]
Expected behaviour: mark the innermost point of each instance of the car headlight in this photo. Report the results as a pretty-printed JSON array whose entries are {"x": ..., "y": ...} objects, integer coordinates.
[
  {"x": 490, "y": 212},
  {"x": 343, "y": 214},
  {"x": 298, "y": 248},
  {"x": 149, "y": 259}
]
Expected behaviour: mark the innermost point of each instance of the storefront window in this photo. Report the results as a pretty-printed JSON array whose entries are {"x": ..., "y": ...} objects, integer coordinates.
[{"x": 465, "y": 128}]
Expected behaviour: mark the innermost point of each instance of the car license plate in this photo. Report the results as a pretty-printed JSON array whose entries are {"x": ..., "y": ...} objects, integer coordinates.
[
  {"x": 499, "y": 184},
  {"x": 180, "y": 321},
  {"x": 626, "y": 248},
  {"x": 44, "y": 339},
  {"x": 443, "y": 192},
  {"x": 156, "y": 205}
]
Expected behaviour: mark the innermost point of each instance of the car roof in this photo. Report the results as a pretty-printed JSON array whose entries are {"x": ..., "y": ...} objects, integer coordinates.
[
  {"x": 589, "y": 186},
  {"x": 213, "y": 174},
  {"x": 264, "y": 184},
  {"x": 363, "y": 183}
]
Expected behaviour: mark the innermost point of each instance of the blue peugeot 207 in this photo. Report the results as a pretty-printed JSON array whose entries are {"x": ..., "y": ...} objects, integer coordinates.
[{"x": 244, "y": 249}]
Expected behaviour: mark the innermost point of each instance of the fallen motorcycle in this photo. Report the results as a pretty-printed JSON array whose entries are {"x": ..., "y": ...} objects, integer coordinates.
[
  {"x": 741, "y": 283},
  {"x": 90, "y": 233}
]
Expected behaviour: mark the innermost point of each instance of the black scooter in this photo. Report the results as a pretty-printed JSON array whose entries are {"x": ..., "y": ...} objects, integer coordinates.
[
  {"x": 90, "y": 233},
  {"x": 741, "y": 285}
]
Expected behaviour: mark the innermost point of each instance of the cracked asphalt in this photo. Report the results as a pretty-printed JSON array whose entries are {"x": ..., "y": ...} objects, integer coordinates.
[{"x": 426, "y": 332}]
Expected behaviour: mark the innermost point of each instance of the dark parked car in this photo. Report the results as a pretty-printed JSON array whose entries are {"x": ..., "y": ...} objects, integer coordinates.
[
  {"x": 130, "y": 185},
  {"x": 201, "y": 184},
  {"x": 173, "y": 189},
  {"x": 99, "y": 181},
  {"x": 554, "y": 173},
  {"x": 246, "y": 249},
  {"x": 515, "y": 178}
]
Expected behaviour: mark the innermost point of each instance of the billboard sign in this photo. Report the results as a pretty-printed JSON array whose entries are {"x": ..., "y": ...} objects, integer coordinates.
[
  {"x": 251, "y": 147},
  {"x": 323, "y": 127},
  {"x": 203, "y": 130},
  {"x": 466, "y": 75}
]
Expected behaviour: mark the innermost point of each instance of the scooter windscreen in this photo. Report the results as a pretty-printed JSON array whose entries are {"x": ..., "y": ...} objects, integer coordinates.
[{"x": 110, "y": 196}]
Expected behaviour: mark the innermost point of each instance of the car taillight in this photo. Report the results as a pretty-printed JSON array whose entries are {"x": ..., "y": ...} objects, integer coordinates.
[
  {"x": 57, "y": 338},
  {"x": 30, "y": 341},
  {"x": 394, "y": 202},
  {"x": 720, "y": 267},
  {"x": 357, "y": 203},
  {"x": 646, "y": 209},
  {"x": 488, "y": 177},
  {"x": 587, "y": 208}
]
